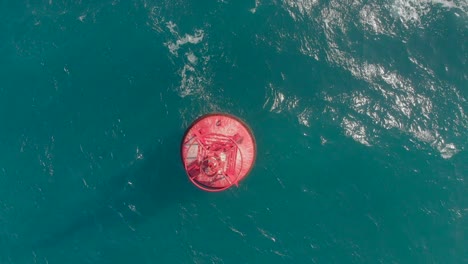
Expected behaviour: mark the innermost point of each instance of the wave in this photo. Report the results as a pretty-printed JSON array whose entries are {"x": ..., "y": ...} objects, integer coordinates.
[{"x": 427, "y": 108}]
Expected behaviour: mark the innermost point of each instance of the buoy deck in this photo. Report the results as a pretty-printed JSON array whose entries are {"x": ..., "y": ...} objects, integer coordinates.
[{"x": 218, "y": 151}]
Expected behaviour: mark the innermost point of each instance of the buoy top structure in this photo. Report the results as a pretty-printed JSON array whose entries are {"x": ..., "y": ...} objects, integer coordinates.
[{"x": 218, "y": 150}]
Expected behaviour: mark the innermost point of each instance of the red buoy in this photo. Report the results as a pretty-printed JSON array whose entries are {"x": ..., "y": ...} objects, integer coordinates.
[{"x": 218, "y": 150}]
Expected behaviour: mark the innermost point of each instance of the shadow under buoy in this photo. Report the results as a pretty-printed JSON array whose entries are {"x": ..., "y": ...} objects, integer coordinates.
[{"x": 136, "y": 195}]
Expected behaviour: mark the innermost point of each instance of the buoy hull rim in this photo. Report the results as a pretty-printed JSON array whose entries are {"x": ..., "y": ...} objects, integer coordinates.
[{"x": 250, "y": 133}]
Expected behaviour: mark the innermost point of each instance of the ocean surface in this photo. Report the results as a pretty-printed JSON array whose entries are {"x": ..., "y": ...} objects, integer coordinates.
[{"x": 359, "y": 110}]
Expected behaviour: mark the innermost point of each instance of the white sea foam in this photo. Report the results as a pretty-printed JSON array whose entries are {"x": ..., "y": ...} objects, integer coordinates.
[
  {"x": 193, "y": 73},
  {"x": 390, "y": 100},
  {"x": 356, "y": 130},
  {"x": 174, "y": 46},
  {"x": 192, "y": 58},
  {"x": 304, "y": 117},
  {"x": 304, "y": 7},
  {"x": 410, "y": 12},
  {"x": 403, "y": 104},
  {"x": 400, "y": 106},
  {"x": 254, "y": 9},
  {"x": 277, "y": 101}
]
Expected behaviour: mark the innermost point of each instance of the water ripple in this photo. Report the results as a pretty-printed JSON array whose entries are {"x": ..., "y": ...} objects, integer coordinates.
[{"x": 429, "y": 110}]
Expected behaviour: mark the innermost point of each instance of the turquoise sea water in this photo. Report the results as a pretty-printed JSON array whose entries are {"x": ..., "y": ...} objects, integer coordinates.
[{"x": 359, "y": 109}]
